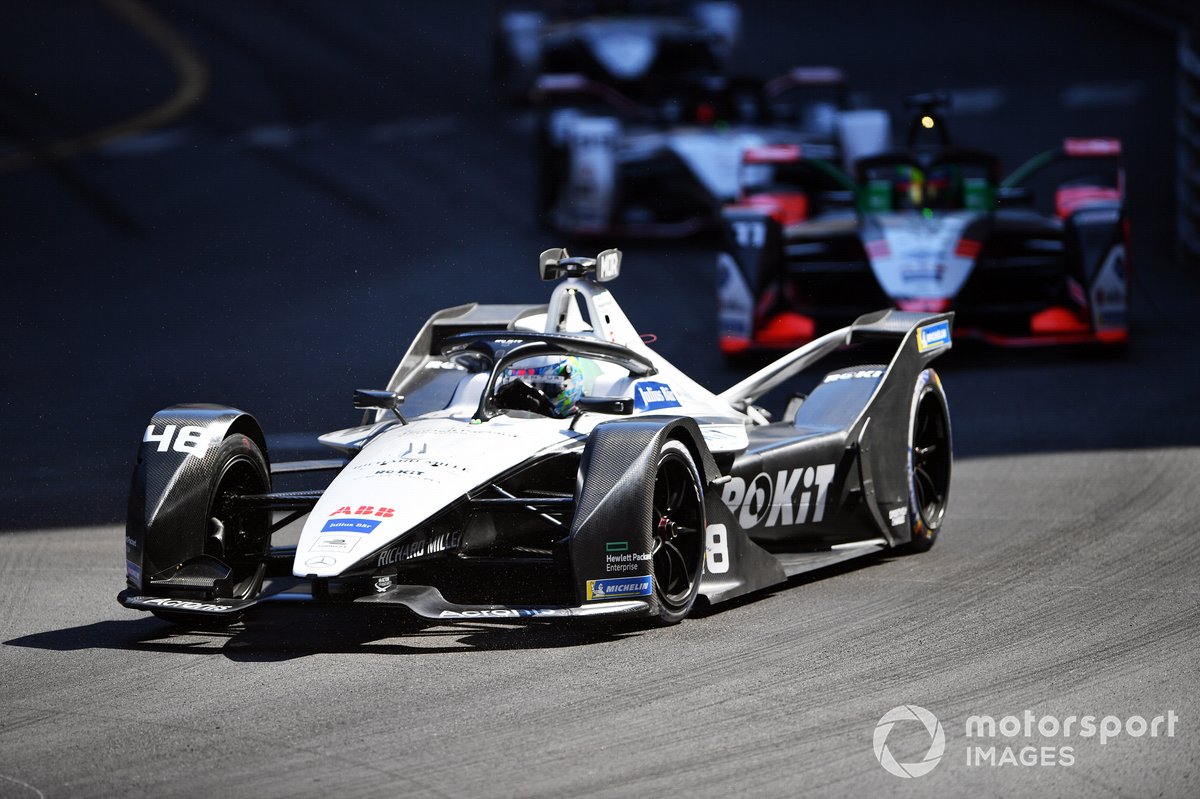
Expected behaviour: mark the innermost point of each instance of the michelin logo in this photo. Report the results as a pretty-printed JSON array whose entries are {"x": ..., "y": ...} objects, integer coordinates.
[
  {"x": 619, "y": 587},
  {"x": 933, "y": 336}
]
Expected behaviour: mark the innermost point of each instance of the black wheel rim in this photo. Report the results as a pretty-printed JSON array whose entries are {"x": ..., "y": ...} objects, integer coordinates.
[
  {"x": 931, "y": 459},
  {"x": 237, "y": 538},
  {"x": 678, "y": 519}
]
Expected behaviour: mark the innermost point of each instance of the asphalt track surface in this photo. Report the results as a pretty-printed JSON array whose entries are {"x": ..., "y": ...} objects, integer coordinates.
[{"x": 274, "y": 243}]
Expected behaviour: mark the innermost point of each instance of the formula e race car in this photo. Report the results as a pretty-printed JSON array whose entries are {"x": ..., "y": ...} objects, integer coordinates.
[
  {"x": 627, "y": 44},
  {"x": 929, "y": 228},
  {"x": 664, "y": 168},
  {"x": 665, "y": 165},
  {"x": 542, "y": 462}
]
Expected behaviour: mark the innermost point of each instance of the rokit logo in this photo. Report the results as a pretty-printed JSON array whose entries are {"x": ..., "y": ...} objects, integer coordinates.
[
  {"x": 869, "y": 374},
  {"x": 788, "y": 497}
]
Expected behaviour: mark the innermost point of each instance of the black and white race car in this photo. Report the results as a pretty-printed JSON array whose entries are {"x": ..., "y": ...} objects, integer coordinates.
[
  {"x": 541, "y": 462},
  {"x": 663, "y": 165}
]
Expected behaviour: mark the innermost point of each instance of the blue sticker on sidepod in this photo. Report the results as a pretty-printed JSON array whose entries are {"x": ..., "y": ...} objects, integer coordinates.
[
  {"x": 350, "y": 525},
  {"x": 652, "y": 396},
  {"x": 935, "y": 335}
]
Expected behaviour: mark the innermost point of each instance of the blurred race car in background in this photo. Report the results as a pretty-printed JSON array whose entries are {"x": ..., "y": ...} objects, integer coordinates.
[
  {"x": 665, "y": 166},
  {"x": 626, "y": 44},
  {"x": 928, "y": 228},
  {"x": 549, "y": 464}
]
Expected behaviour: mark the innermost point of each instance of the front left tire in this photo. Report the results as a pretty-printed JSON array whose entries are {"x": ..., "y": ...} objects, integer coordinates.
[{"x": 239, "y": 539}]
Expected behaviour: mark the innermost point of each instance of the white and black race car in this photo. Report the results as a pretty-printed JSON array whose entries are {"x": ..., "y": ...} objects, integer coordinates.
[
  {"x": 664, "y": 164},
  {"x": 542, "y": 462}
]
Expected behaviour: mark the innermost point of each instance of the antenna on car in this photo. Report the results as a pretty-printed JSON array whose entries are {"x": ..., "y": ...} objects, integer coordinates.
[
  {"x": 927, "y": 117},
  {"x": 556, "y": 263}
]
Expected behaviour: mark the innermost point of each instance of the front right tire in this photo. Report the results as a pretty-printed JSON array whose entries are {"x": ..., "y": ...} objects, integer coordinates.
[
  {"x": 677, "y": 533},
  {"x": 930, "y": 461}
]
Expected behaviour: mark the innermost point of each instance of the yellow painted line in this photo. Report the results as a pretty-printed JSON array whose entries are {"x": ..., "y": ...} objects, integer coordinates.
[{"x": 193, "y": 82}]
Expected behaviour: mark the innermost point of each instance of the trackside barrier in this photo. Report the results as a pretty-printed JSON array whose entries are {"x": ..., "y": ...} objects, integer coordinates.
[
  {"x": 1182, "y": 19},
  {"x": 1188, "y": 149}
]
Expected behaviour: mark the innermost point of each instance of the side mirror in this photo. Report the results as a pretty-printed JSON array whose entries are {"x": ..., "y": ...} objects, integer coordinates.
[
  {"x": 617, "y": 406},
  {"x": 1014, "y": 195},
  {"x": 365, "y": 398}
]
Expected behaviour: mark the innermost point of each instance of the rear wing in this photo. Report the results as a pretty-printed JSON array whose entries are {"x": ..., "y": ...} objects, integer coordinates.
[
  {"x": 799, "y": 77},
  {"x": 918, "y": 335},
  {"x": 561, "y": 88},
  {"x": 427, "y": 344}
]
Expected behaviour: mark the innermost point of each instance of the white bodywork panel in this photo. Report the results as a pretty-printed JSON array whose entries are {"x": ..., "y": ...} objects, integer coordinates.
[
  {"x": 405, "y": 474},
  {"x": 715, "y": 157},
  {"x": 920, "y": 260},
  {"x": 410, "y": 472}
]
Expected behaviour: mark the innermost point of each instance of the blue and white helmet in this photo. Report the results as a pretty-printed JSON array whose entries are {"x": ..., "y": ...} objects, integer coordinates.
[{"x": 560, "y": 378}]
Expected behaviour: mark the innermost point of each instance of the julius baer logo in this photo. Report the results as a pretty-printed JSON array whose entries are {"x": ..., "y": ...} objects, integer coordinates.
[{"x": 1018, "y": 740}]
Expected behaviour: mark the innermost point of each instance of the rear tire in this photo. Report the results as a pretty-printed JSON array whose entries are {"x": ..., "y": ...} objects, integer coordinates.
[
  {"x": 930, "y": 460},
  {"x": 240, "y": 540},
  {"x": 677, "y": 533}
]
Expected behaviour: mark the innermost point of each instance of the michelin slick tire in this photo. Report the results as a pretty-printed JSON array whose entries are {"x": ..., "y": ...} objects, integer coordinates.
[
  {"x": 238, "y": 539},
  {"x": 930, "y": 461},
  {"x": 677, "y": 519}
]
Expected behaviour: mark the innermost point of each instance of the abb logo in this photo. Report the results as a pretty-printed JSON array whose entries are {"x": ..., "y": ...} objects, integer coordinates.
[{"x": 365, "y": 510}]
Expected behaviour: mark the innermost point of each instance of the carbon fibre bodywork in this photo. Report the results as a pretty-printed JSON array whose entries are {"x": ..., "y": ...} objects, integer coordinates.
[{"x": 172, "y": 483}]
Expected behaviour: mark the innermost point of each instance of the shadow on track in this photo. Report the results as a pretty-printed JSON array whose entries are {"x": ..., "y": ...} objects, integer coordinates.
[
  {"x": 703, "y": 610},
  {"x": 279, "y": 633}
]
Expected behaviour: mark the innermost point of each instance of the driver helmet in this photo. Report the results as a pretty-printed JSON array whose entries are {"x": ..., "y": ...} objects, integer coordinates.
[
  {"x": 908, "y": 186},
  {"x": 944, "y": 186},
  {"x": 559, "y": 378}
]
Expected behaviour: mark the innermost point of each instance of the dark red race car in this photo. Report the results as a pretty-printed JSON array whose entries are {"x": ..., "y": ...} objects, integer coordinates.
[{"x": 929, "y": 228}]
